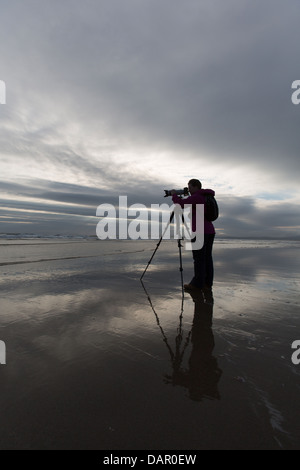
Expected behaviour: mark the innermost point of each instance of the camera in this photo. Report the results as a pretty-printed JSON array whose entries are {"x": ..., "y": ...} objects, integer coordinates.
[{"x": 179, "y": 192}]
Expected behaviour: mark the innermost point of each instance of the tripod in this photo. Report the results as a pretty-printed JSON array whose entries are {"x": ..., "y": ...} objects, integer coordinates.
[{"x": 179, "y": 247}]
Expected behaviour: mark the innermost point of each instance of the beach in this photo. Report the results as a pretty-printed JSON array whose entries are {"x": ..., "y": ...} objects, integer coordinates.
[{"x": 95, "y": 359}]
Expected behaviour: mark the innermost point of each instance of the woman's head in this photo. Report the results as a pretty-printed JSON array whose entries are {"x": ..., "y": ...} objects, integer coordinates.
[{"x": 194, "y": 185}]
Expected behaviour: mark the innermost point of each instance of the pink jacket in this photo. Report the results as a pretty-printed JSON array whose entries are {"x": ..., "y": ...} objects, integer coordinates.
[{"x": 197, "y": 198}]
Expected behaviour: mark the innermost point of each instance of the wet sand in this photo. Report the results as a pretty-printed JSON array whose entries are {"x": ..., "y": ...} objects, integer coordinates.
[{"x": 96, "y": 360}]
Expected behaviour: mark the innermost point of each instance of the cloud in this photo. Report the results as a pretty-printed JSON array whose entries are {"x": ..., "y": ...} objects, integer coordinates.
[
  {"x": 51, "y": 208},
  {"x": 112, "y": 97},
  {"x": 244, "y": 217}
]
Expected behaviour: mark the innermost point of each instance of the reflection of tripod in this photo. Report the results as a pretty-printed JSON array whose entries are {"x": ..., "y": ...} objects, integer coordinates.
[
  {"x": 203, "y": 374},
  {"x": 177, "y": 356},
  {"x": 178, "y": 242}
]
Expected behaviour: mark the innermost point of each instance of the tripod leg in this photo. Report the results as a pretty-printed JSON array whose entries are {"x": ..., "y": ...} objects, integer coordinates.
[
  {"x": 180, "y": 264},
  {"x": 157, "y": 246}
]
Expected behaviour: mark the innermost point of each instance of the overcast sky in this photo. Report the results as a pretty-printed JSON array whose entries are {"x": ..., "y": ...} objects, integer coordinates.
[{"x": 131, "y": 97}]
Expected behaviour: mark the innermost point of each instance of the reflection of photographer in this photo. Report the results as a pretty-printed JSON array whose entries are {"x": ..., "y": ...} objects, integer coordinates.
[
  {"x": 203, "y": 262},
  {"x": 203, "y": 374}
]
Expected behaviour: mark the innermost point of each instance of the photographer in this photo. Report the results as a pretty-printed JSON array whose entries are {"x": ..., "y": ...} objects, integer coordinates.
[{"x": 203, "y": 262}]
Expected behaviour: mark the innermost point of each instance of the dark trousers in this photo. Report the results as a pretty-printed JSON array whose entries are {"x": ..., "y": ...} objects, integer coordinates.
[{"x": 203, "y": 263}]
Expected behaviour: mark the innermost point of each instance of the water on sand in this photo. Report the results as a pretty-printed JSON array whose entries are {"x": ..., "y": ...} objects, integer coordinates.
[{"x": 96, "y": 360}]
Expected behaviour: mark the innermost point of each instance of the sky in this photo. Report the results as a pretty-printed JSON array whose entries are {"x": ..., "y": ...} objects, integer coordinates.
[{"x": 106, "y": 98}]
